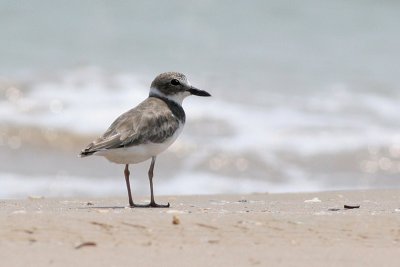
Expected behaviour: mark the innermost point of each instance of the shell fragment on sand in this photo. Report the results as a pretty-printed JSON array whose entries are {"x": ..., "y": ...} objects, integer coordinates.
[{"x": 313, "y": 200}]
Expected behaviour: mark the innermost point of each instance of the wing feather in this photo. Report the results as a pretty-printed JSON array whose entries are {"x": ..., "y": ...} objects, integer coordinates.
[{"x": 150, "y": 122}]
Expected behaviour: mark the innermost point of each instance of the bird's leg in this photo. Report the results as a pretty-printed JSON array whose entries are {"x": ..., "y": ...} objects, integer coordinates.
[
  {"x": 128, "y": 186},
  {"x": 152, "y": 202}
]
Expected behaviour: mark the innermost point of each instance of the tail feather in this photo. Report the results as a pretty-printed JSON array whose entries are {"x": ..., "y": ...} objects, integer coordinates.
[{"x": 85, "y": 153}]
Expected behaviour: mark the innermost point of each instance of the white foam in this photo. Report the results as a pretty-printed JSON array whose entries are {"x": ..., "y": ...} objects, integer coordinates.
[
  {"x": 87, "y": 101},
  {"x": 21, "y": 186},
  {"x": 206, "y": 183}
]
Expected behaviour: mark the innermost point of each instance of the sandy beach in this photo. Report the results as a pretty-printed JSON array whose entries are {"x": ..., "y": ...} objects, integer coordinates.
[
  {"x": 312, "y": 229},
  {"x": 304, "y": 98}
]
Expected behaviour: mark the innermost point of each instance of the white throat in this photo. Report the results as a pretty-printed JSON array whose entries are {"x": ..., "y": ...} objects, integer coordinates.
[{"x": 177, "y": 98}]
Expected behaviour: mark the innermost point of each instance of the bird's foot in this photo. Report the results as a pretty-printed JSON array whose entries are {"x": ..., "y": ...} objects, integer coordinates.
[
  {"x": 155, "y": 205},
  {"x": 134, "y": 205},
  {"x": 150, "y": 205}
]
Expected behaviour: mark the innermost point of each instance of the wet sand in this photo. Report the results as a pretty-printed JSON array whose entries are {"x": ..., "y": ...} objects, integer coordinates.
[{"x": 310, "y": 229}]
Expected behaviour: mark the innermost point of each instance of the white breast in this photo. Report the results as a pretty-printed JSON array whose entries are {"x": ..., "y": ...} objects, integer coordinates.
[{"x": 138, "y": 153}]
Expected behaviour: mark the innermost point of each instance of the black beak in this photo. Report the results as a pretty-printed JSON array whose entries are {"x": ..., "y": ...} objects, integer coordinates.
[{"x": 198, "y": 92}]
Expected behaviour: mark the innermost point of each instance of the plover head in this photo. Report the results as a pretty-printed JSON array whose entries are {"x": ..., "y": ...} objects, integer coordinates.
[{"x": 174, "y": 86}]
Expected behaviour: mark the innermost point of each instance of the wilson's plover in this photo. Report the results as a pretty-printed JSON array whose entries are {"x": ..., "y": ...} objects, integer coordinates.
[{"x": 148, "y": 129}]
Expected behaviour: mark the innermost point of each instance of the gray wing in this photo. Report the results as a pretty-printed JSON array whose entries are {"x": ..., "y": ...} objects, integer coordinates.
[{"x": 150, "y": 122}]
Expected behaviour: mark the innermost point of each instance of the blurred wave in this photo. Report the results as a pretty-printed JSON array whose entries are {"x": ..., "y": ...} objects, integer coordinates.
[{"x": 338, "y": 138}]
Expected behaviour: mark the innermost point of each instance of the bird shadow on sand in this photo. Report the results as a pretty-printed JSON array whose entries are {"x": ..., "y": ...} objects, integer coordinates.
[{"x": 103, "y": 207}]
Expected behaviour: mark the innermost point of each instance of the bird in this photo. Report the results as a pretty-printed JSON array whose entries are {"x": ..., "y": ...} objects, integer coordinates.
[{"x": 146, "y": 130}]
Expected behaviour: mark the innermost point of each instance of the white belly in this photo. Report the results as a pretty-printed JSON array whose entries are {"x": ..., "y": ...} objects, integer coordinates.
[{"x": 139, "y": 153}]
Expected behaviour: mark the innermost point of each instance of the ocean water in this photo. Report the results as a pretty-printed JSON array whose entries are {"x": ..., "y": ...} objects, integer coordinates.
[{"x": 305, "y": 95}]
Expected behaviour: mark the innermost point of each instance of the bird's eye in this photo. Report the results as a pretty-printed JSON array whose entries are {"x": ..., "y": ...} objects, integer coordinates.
[{"x": 175, "y": 82}]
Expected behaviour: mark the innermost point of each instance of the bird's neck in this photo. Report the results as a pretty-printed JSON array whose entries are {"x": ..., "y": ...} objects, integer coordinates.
[
  {"x": 176, "y": 108},
  {"x": 177, "y": 98}
]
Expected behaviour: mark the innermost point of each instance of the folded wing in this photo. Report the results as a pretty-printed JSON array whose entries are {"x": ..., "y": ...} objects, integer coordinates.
[{"x": 147, "y": 123}]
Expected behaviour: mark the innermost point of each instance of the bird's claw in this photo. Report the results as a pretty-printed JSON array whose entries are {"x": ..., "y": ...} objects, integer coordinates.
[
  {"x": 150, "y": 205},
  {"x": 155, "y": 205}
]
